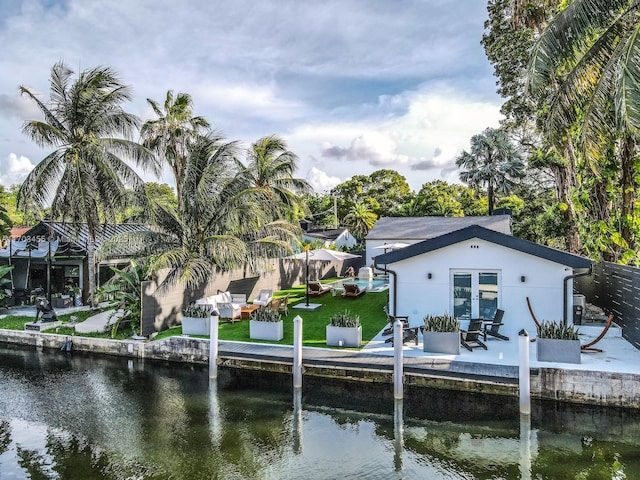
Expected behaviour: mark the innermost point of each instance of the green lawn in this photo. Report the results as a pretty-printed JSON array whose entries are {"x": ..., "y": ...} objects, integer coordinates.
[{"x": 369, "y": 306}]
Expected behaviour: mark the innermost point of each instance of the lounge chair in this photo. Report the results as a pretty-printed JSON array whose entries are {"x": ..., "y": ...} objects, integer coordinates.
[
  {"x": 263, "y": 298},
  {"x": 492, "y": 328},
  {"x": 316, "y": 289},
  {"x": 352, "y": 290},
  {"x": 284, "y": 305},
  {"x": 470, "y": 338}
]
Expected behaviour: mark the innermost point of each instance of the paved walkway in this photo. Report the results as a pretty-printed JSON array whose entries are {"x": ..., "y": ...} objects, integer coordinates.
[{"x": 499, "y": 360}]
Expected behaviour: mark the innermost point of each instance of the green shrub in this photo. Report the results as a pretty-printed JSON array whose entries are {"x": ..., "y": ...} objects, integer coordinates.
[
  {"x": 345, "y": 319},
  {"x": 266, "y": 315},
  {"x": 195, "y": 311},
  {"x": 557, "y": 331},
  {"x": 441, "y": 323}
]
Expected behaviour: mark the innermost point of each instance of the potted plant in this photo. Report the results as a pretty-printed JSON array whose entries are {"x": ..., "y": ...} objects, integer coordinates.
[
  {"x": 265, "y": 324},
  {"x": 557, "y": 343},
  {"x": 344, "y": 330},
  {"x": 441, "y": 334},
  {"x": 195, "y": 320}
]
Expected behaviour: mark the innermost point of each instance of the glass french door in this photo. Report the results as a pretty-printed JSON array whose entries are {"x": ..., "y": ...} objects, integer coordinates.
[{"x": 475, "y": 293}]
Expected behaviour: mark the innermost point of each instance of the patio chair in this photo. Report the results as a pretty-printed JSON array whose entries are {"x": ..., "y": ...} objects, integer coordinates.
[
  {"x": 408, "y": 333},
  {"x": 470, "y": 338},
  {"x": 492, "y": 328},
  {"x": 316, "y": 289},
  {"x": 352, "y": 290},
  {"x": 263, "y": 298},
  {"x": 284, "y": 305},
  {"x": 275, "y": 305},
  {"x": 230, "y": 311}
]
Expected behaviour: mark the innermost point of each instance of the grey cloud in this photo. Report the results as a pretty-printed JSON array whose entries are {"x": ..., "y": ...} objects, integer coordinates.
[
  {"x": 425, "y": 165},
  {"x": 437, "y": 152},
  {"x": 335, "y": 152}
]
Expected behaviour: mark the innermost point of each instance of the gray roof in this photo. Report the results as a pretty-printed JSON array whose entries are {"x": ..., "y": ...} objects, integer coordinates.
[
  {"x": 421, "y": 228},
  {"x": 476, "y": 231},
  {"x": 325, "y": 234},
  {"x": 79, "y": 234}
]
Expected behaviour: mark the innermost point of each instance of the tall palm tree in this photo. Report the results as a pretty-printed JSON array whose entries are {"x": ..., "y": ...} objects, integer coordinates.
[
  {"x": 269, "y": 171},
  {"x": 586, "y": 61},
  {"x": 85, "y": 177},
  {"x": 173, "y": 132},
  {"x": 493, "y": 161},
  {"x": 360, "y": 219},
  {"x": 219, "y": 225}
]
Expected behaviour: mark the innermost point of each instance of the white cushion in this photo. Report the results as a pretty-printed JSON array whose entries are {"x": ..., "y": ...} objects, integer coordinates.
[{"x": 227, "y": 297}]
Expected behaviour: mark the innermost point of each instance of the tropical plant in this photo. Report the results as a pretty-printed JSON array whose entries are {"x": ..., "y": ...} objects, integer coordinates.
[
  {"x": 220, "y": 225},
  {"x": 266, "y": 315},
  {"x": 557, "y": 331},
  {"x": 345, "y": 319},
  {"x": 441, "y": 323},
  {"x": 195, "y": 311},
  {"x": 174, "y": 131},
  {"x": 85, "y": 177},
  {"x": 493, "y": 161},
  {"x": 360, "y": 220},
  {"x": 586, "y": 65},
  {"x": 126, "y": 287},
  {"x": 4, "y": 282},
  {"x": 269, "y": 172}
]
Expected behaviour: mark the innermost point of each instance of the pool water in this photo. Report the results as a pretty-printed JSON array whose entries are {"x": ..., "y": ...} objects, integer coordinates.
[{"x": 376, "y": 284}]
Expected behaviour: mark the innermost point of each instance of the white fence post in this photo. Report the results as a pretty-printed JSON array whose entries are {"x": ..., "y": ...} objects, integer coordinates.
[
  {"x": 397, "y": 360},
  {"x": 213, "y": 346},
  {"x": 525, "y": 373},
  {"x": 297, "y": 352}
]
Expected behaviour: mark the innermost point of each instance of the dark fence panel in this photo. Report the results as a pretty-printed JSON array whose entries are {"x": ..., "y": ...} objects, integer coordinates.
[{"x": 616, "y": 289}]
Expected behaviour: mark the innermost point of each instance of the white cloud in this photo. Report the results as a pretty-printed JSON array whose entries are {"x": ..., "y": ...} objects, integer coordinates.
[
  {"x": 321, "y": 181},
  {"x": 15, "y": 169}
]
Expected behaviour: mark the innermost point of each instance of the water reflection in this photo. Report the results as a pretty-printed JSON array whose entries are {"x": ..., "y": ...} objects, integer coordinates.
[{"x": 86, "y": 417}]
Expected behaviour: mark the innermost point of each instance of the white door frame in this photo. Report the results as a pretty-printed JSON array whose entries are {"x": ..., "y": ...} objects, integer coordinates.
[{"x": 475, "y": 288}]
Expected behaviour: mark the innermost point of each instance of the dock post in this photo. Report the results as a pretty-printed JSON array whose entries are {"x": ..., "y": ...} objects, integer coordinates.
[
  {"x": 297, "y": 352},
  {"x": 524, "y": 373},
  {"x": 397, "y": 360},
  {"x": 398, "y": 435},
  {"x": 213, "y": 346}
]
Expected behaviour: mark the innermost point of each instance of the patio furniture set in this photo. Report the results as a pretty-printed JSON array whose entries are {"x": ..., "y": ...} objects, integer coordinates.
[
  {"x": 469, "y": 338},
  {"x": 234, "y": 306},
  {"x": 349, "y": 290}
]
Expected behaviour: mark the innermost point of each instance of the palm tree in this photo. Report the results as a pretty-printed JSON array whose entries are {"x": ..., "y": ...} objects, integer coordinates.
[
  {"x": 360, "y": 219},
  {"x": 85, "y": 177},
  {"x": 586, "y": 61},
  {"x": 172, "y": 133},
  {"x": 219, "y": 225},
  {"x": 494, "y": 161},
  {"x": 269, "y": 171}
]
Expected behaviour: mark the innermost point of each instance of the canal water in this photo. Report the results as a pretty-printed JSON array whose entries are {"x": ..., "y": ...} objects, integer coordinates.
[{"x": 73, "y": 416}]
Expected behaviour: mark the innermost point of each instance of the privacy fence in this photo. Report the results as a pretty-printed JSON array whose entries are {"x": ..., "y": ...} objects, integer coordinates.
[{"x": 616, "y": 289}]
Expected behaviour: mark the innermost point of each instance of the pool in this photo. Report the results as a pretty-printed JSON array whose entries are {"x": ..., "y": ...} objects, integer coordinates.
[{"x": 376, "y": 284}]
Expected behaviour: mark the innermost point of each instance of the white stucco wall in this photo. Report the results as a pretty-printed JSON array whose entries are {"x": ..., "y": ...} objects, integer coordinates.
[
  {"x": 372, "y": 251},
  {"x": 417, "y": 295}
]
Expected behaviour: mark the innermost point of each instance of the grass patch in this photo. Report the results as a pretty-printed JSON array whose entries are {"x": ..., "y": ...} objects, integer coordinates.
[{"x": 369, "y": 307}]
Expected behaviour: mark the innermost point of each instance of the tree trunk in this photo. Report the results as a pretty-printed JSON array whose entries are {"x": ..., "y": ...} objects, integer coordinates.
[
  {"x": 92, "y": 271},
  {"x": 490, "y": 197},
  {"x": 565, "y": 179},
  {"x": 627, "y": 155}
]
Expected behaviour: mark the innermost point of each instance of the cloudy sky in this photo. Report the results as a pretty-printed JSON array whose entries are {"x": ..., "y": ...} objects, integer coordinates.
[{"x": 352, "y": 85}]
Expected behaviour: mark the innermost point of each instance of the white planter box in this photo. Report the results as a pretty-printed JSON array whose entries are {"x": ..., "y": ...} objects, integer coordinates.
[
  {"x": 265, "y": 330},
  {"x": 441, "y": 342},
  {"x": 196, "y": 326},
  {"x": 344, "y": 336},
  {"x": 561, "y": 351}
]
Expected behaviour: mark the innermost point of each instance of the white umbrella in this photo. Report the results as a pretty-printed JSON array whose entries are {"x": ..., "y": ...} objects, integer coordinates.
[
  {"x": 391, "y": 246},
  {"x": 320, "y": 254}
]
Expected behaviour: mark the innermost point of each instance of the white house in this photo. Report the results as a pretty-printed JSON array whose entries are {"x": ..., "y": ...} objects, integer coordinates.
[
  {"x": 474, "y": 271},
  {"x": 409, "y": 230},
  {"x": 340, "y": 237}
]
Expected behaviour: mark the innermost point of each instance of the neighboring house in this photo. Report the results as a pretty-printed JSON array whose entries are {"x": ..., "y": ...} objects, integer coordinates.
[
  {"x": 474, "y": 271},
  {"x": 338, "y": 237},
  {"x": 409, "y": 230},
  {"x": 55, "y": 254}
]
